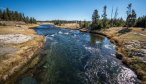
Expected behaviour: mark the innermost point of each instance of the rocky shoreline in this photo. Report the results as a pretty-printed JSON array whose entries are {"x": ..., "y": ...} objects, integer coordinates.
[{"x": 20, "y": 50}]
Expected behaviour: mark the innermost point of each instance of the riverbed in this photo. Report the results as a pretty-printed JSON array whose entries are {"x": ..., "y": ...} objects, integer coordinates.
[{"x": 74, "y": 57}]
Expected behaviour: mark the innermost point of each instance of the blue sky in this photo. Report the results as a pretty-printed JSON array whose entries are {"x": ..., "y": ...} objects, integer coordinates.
[{"x": 71, "y": 9}]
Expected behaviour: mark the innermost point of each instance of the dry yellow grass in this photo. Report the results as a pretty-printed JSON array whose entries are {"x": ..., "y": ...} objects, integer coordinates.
[
  {"x": 134, "y": 34},
  {"x": 69, "y": 26},
  {"x": 15, "y": 62},
  {"x": 15, "y": 30}
]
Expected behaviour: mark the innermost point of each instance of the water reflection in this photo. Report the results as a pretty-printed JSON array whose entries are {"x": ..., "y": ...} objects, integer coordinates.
[{"x": 96, "y": 38}]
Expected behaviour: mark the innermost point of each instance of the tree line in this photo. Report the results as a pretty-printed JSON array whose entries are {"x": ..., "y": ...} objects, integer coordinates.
[
  {"x": 9, "y": 15},
  {"x": 59, "y": 22},
  {"x": 141, "y": 22},
  {"x": 99, "y": 22}
]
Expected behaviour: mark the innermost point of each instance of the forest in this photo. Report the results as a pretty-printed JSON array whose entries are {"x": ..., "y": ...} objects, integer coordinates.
[{"x": 9, "y": 15}]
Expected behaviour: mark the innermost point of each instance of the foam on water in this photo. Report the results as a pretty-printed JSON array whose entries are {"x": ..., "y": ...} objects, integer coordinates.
[
  {"x": 50, "y": 38},
  {"x": 60, "y": 32},
  {"x": 91, "y": 49},
  {"x": 126, "y": 76},
  {"x": 97, "y": 42},
  {"x": 52, "y": 35},
  {"x": 107, "y": 46},
  {"x": 66, "y": 33}
]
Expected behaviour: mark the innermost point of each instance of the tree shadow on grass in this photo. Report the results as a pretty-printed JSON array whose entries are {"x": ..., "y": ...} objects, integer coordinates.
[
  {"x": 124, "y": 31},
  {"x": 143, "y": 29}
]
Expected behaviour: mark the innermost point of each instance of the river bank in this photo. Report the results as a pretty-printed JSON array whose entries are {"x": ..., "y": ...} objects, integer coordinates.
[
  {"x": 19, "y": 50},
  {"x": 73, "y": 26},
  {"x": 131, "y": 47}
]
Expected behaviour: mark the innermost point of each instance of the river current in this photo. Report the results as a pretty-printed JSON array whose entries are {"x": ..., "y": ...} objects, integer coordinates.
[{"x": 74, "y": 57}]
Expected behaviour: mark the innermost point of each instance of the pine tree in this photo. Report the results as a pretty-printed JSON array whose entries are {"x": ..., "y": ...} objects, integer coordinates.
[
  {"x": 141, "y": 22},
  {"x": 133, "y": 19},
  {"x": 12, "y": 15},
  {"x": 31, "y": 20},
  {"x": 131, "y": 16},
  {"x": 1, "y": 13},
  {"x": 95, "y": 17},
  {"x": 34, "y": 21},
  {"x": 111, "y": 21},
  {"x": 80, "y": 23},
  {"x": 95, "y": 20},
  {"x": 104, "y": 16},
  {"x": 15, "y": 16},
  {"x": 8, "y": 15},
  {"x": 5, "y": 16},
  {"x": 27, "y": 19}
]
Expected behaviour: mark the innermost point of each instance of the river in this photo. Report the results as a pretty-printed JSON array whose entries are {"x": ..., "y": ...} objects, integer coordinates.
[{"x": 74, "y": 57}]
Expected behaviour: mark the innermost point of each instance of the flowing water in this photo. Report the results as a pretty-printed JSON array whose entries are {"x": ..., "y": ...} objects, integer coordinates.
[{"x": 74, "y": 57}]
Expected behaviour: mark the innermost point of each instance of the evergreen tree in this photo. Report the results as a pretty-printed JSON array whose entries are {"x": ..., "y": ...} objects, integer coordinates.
[
  {"x": 141, "y": 22},
  {"x": 27, "y": 20},
  {"x": 133, "y": 19},
  {"x": 12, "y": 15},
  {"x": 85, "y": 24},
  {"x": 129, "y": 9},
  {"x": 131, "y": 16},
  {"x": 1, "y": 13},
  {"x": 95, "y": 17},
  {"x": 95, "y": 20},
  {"x": 119, "y": 22},
  {"x": 80, "y": 23},
  {"x": 33, "y": 20},
  {"x": 104, "y": 16},
  {"x": 5, "y": 16},
  {"x": 8, "y": 15}
]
